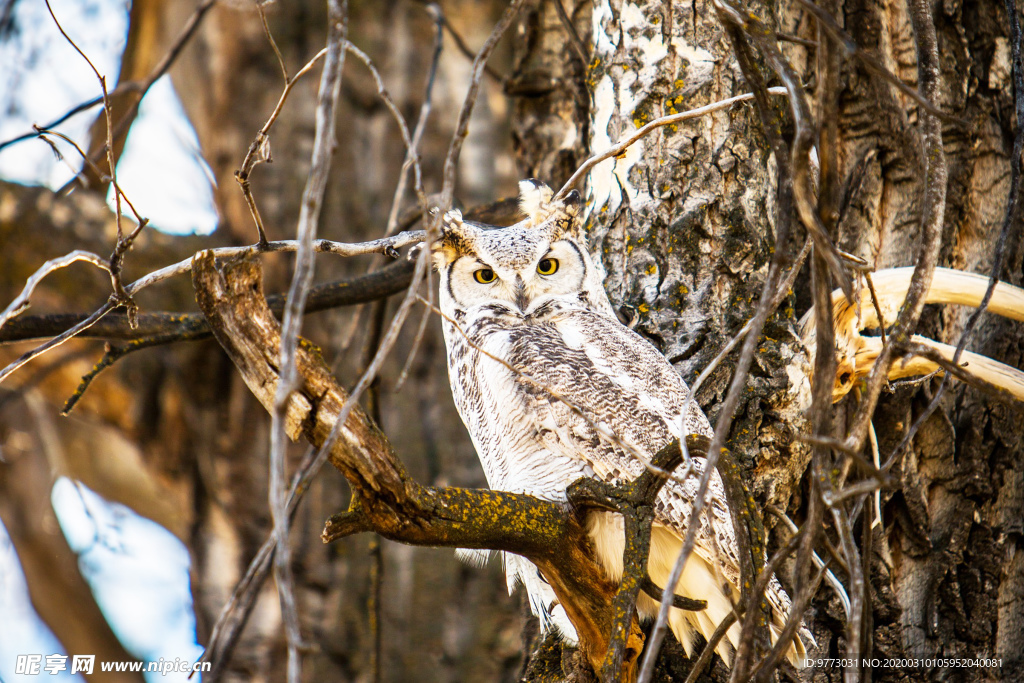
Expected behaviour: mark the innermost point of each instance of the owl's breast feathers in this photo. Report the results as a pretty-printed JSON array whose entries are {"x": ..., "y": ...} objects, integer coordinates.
[
  {"x": 544, "y": 392},
  {"x": 569, "y": 392}
]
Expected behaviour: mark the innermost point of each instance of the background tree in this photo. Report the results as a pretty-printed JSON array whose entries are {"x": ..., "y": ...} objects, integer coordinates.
[{"x": 686, "y": 223}]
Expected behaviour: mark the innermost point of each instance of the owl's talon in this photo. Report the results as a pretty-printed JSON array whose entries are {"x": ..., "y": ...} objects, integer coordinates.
[
  {"x": 586, "y": 494},
  {"x": 628, "y": 316}
]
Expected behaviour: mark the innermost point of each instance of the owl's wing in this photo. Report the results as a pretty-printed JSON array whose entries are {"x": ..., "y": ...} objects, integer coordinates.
[
  {"x": 589, "y": 374},
  {"x": 572, "y": 379},
  {"x": 585, "y": 374}
]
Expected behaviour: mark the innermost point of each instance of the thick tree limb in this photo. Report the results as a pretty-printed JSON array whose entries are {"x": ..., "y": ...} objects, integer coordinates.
[{"x": 395, "y": 506}]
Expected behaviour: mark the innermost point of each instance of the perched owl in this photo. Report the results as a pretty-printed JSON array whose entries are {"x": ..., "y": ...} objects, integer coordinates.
[{"x": 532, "y": 337}]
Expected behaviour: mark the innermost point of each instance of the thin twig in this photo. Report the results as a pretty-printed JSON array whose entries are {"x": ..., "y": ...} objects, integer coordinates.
[
  {"x": 270, "y": 39},
  {"x": 709, "y": 649},
  {"x": 57, "y": 341},
  {"x": 830, "y": 577},
  {"x": 420, "y": 333},
  {"x": 412, "y": 157},
  {"x": 462, "y": 126},
  {"x": 620, "y": 147},
  {"x": 386, "y": 245},
  {"x": 873, "y": 65},
  {"x": 43, "y": 133},
  {"x": 728, "y": 410},
  {"x": 123, "y": 244},
  {"x": 421, "y": 124},
  {"x": 766, "y": 666},
  {"x": 302, "y": 279},
  {"x": 570, "y": 31},
  {"x": 780, "y": 295},
  {"x": 130, "y": 86},
  {"x": 117, "y": 131},
  {"x": 932, "y": 215},
  {"x": 459, "y": 42},
  {"x": 803, "y": 138},
  {"x": 722, "y": 427},
  {"x": 259, "y": 148},
  {"x": 750, "y": 606},
  {"x": 1012, "y": 218},
  {"x": 21, "y": 302},
  {"x": 236, "y": 611}
]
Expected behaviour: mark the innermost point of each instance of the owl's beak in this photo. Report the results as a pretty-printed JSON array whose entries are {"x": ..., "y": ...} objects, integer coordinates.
[{"x": 522, "y": 301}]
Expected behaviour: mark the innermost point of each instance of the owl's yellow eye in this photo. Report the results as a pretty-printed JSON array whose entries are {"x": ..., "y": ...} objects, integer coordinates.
[
  {"x": 547, "y": 266},
  {"x": 484, "y": 276}
]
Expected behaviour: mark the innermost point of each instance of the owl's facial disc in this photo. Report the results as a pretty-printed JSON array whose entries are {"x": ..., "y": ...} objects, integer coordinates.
[{"x": 552, "y": 271}]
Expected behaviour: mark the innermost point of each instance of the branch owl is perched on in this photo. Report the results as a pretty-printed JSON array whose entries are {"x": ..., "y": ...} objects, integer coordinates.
[{"x": 531, "y": 338}]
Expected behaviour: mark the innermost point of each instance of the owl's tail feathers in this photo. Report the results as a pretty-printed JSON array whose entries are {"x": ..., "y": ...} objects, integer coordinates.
[
  {"x": 701, "y": 582},
  {"x": 699, "y": 575},
  {"x": 474, "y": 558},
  {"x": 543, "y": 602},
  {"x": 797, "y": 653},
  {"x": 698, "y": 582}
]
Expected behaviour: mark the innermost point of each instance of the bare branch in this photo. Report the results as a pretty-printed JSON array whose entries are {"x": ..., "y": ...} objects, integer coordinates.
[
  {"x": 619, "y": 148},
  {"x": 932, "y": 217},
  {"x": 421, "y": 124},
  {"x": 173, "y": 327},
  {"x": 396, "y": 506},
  {"x": 273, "y": 43},
  {"x": 259, "y": 148},
  {"x": 384, "y": 245},
  {"x": 727, "y": 412},
  {"x": 302, "y": 279},
  {"x": 462, "y": 126},
  {"x": 459, "y": 42},
  {"x": 21, "y": 304},
  {"x": 1012, "y": 219},
  {"x": 803, "y": 139},
  {"x": 570, "y": 31},
  {"x": 140, "y": 87},
  {"x": 850, "y": 46}
]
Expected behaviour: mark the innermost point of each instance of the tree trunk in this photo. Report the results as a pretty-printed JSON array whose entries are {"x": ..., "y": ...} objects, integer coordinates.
[{"x": 684, "y": 224}]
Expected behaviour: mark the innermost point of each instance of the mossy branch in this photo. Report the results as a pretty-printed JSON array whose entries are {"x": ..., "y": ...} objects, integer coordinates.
[{"x": 388, "y": 501}]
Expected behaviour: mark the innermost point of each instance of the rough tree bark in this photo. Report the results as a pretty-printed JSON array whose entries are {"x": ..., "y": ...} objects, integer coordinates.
[{"x": 684, "y": 224}]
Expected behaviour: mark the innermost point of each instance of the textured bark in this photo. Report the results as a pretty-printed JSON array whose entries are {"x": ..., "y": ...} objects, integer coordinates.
[{"x": 683, "y": 224}]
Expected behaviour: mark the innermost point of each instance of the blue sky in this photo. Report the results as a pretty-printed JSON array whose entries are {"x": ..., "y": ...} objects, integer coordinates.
[{"x": 161, "y": 169}]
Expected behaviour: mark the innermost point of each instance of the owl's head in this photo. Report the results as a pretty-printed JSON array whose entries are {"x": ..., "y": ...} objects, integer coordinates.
[{"x": 523, "y": 266}]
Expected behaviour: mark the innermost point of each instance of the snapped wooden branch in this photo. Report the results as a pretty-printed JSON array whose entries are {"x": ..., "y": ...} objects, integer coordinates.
[
  {"x": 386, "y": 499},
  {"x": 880, "y": 306}
]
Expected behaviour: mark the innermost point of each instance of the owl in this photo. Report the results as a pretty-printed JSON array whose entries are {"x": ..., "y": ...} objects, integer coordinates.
[{"x": 542, "y": 372}]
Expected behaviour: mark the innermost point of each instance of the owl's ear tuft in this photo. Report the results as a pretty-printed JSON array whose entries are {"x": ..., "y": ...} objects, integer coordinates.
[
  {"x": 535, "y": 201},
  {"x": 538, "y": 202},
  {"x": 457, "y": 238},
  {"x": 573, "y": 202},
  {"x": 566, "y": 216}
]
